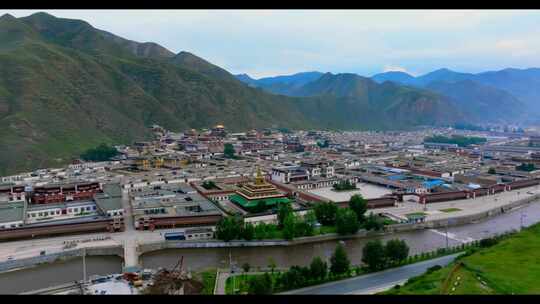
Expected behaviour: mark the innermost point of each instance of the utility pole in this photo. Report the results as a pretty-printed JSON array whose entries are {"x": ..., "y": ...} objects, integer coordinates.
[
  {"x": 84, "y": 265},
  {"x": 231, "y": 267},
  {"x": 446, "y": 235}
]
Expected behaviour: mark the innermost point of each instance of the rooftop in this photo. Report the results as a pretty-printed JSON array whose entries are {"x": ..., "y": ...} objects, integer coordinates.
[{"x": 11, "y": 212}]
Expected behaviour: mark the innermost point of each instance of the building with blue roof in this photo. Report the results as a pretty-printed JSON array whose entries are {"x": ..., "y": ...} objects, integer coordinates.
[{"x": 433, "y": 183}]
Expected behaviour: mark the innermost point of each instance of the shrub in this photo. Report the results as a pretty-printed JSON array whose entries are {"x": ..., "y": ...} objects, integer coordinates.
[
  {"x": 488, "y": 242},
  {"x": 318, "y": 269},
  {"x": 434, "y": 268}
]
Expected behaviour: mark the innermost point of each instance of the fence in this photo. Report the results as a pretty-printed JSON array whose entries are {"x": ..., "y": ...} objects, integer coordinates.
[{"x": 63, "y": 255}]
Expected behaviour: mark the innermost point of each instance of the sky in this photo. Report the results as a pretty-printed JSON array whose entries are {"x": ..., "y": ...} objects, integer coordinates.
[{"x": 266, "y": 43}]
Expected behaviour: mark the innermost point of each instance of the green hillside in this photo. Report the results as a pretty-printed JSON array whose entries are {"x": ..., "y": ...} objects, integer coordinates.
[
  {"x": 63, "y": 92},
  {"x": 509, "y": 267},
  {"x": 66, "y": 86}
]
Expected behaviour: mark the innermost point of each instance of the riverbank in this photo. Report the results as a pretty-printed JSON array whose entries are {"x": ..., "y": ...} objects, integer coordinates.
[
  {"x": 149, "y": 246},
  {"x": 200, "y": 259},
  {"x": 238, "y": 283}
]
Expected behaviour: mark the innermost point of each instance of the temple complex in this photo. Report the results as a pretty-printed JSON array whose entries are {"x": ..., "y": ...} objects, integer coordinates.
[{"x": 256, "y": 193}]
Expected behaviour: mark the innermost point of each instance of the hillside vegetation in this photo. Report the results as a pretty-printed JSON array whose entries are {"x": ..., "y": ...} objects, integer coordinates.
[{"x": 509, "y": 267}]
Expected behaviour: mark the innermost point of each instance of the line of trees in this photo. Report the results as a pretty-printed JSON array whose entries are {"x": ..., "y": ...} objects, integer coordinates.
[
  {"x": 102, "y": 152},
  {"x": 300, "y": 276},
  {"x": 344, "y": 185},
  {"x": 526, "y": 167},
  {"x": 290, "y": 224},
  {"x": 376, "y": 256},
  {"x": 461, "y": 141},
  {"x": 346, "y": 221}
]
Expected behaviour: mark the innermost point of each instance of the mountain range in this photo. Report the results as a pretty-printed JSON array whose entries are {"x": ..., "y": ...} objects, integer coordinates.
[
  {"x": 503, "y": 96},
  {"x": 521, "y": 84},
  {"x": 66, "y": 86}
]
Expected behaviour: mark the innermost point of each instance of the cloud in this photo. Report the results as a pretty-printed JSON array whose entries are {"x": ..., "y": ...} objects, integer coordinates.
[
  {"x": 395, "y": 68},
  {"x": 262, "y": 42}
]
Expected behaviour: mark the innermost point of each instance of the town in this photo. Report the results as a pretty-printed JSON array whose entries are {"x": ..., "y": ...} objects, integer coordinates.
[{"x": 180, "y": 186}]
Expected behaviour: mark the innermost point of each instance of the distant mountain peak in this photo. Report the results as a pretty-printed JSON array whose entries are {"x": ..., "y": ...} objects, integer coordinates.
[
  {"x": 43, "y": 15},
  {"x": 196, "y": 63},
  {"x": 441, "y": 71},
  {"x": 54, "y": 22},
  {"x": 7, "y": 17}
]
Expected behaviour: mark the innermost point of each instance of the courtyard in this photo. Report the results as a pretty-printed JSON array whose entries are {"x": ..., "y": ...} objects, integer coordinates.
[{"x": 367, "y": 191}]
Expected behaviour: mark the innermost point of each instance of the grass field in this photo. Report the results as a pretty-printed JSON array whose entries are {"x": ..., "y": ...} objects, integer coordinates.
[
  {"x": 450, "y": 210},
  {"x": 509, "y": 267},
  {"x": 209, "y": 280},
  {"x": 240, "y": 283}
]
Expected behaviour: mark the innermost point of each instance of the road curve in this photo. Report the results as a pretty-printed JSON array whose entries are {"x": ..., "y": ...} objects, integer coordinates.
[{"x": 374, "y": 282}]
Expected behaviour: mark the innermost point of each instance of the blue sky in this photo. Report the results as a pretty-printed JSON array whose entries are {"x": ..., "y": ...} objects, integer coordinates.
[{"x": 267, "y": 42}]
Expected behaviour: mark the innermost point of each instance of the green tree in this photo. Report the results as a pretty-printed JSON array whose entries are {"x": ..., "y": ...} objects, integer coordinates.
[
  {"x": 248, "y": 233},
  {"x": 344, "y": 185},
  {"x": 260, "y": 231},
  {"x": 318, "y": 268},
  {"x": 310, "y": 218},
  {"x": 208, "y": 185},
  {"x": 260, "y": 285},
  {"x": 326, "y": 213},
  {"x": 323, "y": 144},
  {"x": 272, "y": 264},
  {"x": 102, "y": 152},
  {"x": 246, "y": 267},
  {"x": 339, "y": 262},
  {"x": 284, "y": 210},
  {"x": 228, "y": 150},
  {"x": 373, "y": 255},
  {"x": 396, "y": 251},
  {"x": 346, "y": 222},
  {"x": 229, "y": 228},
  {"x": 293, "y": 278},
  {"x": 373, "y": 223},
  {"x": 289, "y": 227},
  {"x": 359, "y": 205},
  {"x": 492, "y": 171},
  {"x": 302, "y": 228}
]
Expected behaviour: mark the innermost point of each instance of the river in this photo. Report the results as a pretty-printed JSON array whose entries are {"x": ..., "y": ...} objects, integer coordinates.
[{"x": 198, "y": 258}]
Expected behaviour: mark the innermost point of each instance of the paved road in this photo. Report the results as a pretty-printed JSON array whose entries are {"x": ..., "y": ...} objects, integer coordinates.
[
  {"x": 375, "y": 282},
  {"x": 466, "y": 206}
]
